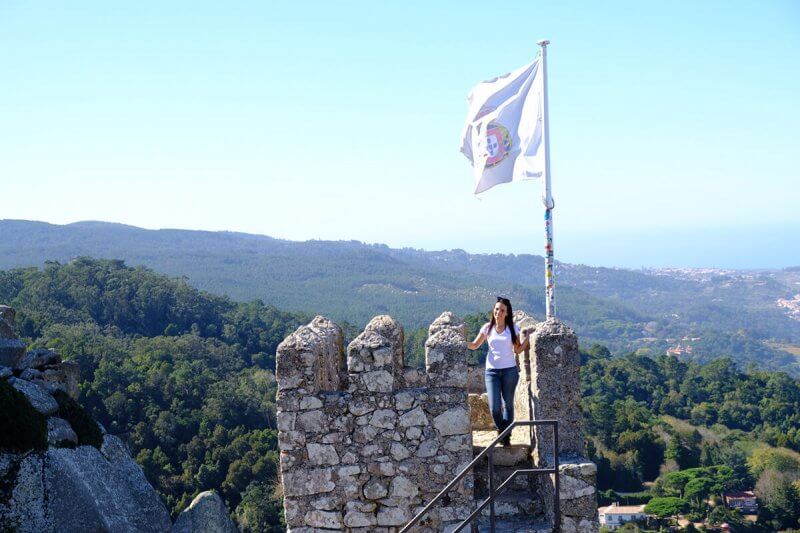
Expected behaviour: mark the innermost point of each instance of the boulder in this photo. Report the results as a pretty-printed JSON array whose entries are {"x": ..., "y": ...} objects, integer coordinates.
[
  {"x": 38, "y": 358},
  {"x": 206, "y": 514},
  {"x": 30, "y": 374},
  {"x": 89, "y": 493},
  {"x": 11, "y": 351},
  {"x": 63, "y": 376},
  {"x": 24, "y": 508},
  {"x": 59, "y": 432},
  {"x": 40, "y": 399},
  {"x": 76, "y": 490}
]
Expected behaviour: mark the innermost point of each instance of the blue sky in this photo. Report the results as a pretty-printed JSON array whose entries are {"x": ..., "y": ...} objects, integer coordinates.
[{"x": 674, "y": 136}]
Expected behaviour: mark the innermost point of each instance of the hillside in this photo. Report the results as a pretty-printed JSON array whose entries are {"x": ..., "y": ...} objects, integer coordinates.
[
  {"x": 186, "y": 379},
  {"x": 701, "y": 314}
]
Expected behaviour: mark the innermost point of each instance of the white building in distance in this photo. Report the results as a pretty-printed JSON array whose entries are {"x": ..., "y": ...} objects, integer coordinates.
[{"x": 615, "y": 515}]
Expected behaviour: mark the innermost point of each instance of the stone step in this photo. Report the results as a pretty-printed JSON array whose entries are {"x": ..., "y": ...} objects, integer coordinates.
[
  {"x": 518, "y": 454},
  {"x": 521, "y": 483},
  {"x": 514, "y": 505}
]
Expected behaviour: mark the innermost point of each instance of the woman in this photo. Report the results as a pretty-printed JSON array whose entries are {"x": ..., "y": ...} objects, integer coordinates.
[{"x": 502, "y": 373}]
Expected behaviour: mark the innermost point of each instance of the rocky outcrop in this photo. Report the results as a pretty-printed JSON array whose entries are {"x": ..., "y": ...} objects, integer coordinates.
[
  {"x": 40, "y": 399},
  {"x": 206, "y": 514},
  {"x": 81, "y": 489},
  {"x": 71, "y": 488}
]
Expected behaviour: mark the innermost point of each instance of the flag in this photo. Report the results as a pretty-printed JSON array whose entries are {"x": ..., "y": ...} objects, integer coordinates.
[{"x": 503, "y": 134}]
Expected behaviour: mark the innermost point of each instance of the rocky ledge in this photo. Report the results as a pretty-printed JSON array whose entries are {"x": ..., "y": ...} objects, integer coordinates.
[{"x": 69, "y": 476}]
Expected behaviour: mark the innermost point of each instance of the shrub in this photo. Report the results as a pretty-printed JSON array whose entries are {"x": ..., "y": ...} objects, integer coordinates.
[
  {"x": 22, "y": 428},
  {"x": 82, "y": 423}
]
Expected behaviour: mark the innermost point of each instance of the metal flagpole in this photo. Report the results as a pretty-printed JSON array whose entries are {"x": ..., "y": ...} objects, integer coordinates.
[{"x": 549, "y": 277}]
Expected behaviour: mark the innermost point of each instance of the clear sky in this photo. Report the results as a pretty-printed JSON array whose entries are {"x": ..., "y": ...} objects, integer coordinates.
[{"x": 674, "y": 125}]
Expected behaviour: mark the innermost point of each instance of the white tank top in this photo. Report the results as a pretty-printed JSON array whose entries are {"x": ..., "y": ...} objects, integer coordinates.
[{"x": 501, "y": 348}]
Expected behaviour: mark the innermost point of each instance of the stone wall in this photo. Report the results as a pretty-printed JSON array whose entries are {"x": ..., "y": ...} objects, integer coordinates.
[{"x": 364, "y": 441}]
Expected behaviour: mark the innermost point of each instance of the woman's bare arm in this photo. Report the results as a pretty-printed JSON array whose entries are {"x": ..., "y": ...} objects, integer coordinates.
[
  {"x": 520, "y": 347},
  {"x": 474, "y": 345}
]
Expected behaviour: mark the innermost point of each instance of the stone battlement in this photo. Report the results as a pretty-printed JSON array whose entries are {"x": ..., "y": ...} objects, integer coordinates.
[
  {"x": 360, "y": 450},
  {"x": 366, "y": 442}
]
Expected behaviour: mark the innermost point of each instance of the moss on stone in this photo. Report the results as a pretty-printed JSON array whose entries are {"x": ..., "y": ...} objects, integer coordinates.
[{"x": 22, "y": 428}]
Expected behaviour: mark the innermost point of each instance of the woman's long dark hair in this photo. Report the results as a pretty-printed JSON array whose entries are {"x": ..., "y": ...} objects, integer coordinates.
[{"x": 509, "y": 319}]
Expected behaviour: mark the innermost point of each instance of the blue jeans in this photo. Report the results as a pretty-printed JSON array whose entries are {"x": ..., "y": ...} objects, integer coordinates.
[{"x": 500, "y": 384}]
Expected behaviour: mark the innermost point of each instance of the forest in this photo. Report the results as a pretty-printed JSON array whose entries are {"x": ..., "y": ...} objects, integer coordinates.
[
  {"x": 733, "y": 313},
  {"x": 676, "y": 435},
  {"x": 187, "y": 379}
]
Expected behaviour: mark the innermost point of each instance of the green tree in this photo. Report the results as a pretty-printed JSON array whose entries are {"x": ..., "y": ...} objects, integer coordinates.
[
  {"x": 780, "y": 498},
  {"x": 683, "y": 451},
  {"x": 665, "y": 507},
  {"x": 260, "y": 510}
]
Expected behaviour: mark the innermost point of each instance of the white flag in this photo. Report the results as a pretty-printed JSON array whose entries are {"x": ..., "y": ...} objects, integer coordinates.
[{"x": 503, "y": 134}]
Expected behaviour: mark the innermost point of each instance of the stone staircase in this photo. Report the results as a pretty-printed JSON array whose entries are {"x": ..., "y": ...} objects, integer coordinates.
[{"x": 518, "y": 509}]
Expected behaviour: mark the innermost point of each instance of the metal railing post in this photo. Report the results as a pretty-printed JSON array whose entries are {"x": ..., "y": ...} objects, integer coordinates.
[
  {"x": 496, "y": 491},
  {"x": 530, "y": 412},
  {"x": 557, "y": 496},
  {"x": 491, "y": 491}
]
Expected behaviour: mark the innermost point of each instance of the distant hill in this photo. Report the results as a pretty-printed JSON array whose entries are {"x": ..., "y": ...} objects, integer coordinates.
[{"x": 697, "y": 313}]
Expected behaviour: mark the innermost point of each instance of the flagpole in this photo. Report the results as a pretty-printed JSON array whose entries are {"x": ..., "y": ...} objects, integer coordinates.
[{"x": 549, "y": 276}]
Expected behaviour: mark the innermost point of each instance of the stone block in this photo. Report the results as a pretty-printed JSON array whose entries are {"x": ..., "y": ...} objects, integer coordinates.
[
  {"x": 415, "y": 417},
  {"x": 377, "y": 381},
  {"x": 358, "y": 519},
  {"x": 454, "y": 421},
  {"x": 322, "y": 454},
  {"x": 312, "y": 422},
  {"x": 383, "y": 418},
  {"x": 324, "y": 519},
  {"x": 376, "y": 489},
  {"x": 402, "y": 487},
  {"x": 308, "y": 481},
  {"x": 393, "y": 516}
]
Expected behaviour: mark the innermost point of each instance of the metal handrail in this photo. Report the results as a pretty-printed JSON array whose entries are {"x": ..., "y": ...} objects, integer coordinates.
[{"x": 493, "y": 493}]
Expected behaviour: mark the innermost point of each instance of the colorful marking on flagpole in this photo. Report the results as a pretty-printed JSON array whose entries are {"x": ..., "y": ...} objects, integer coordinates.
[{"x": 549, "y": 275}]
